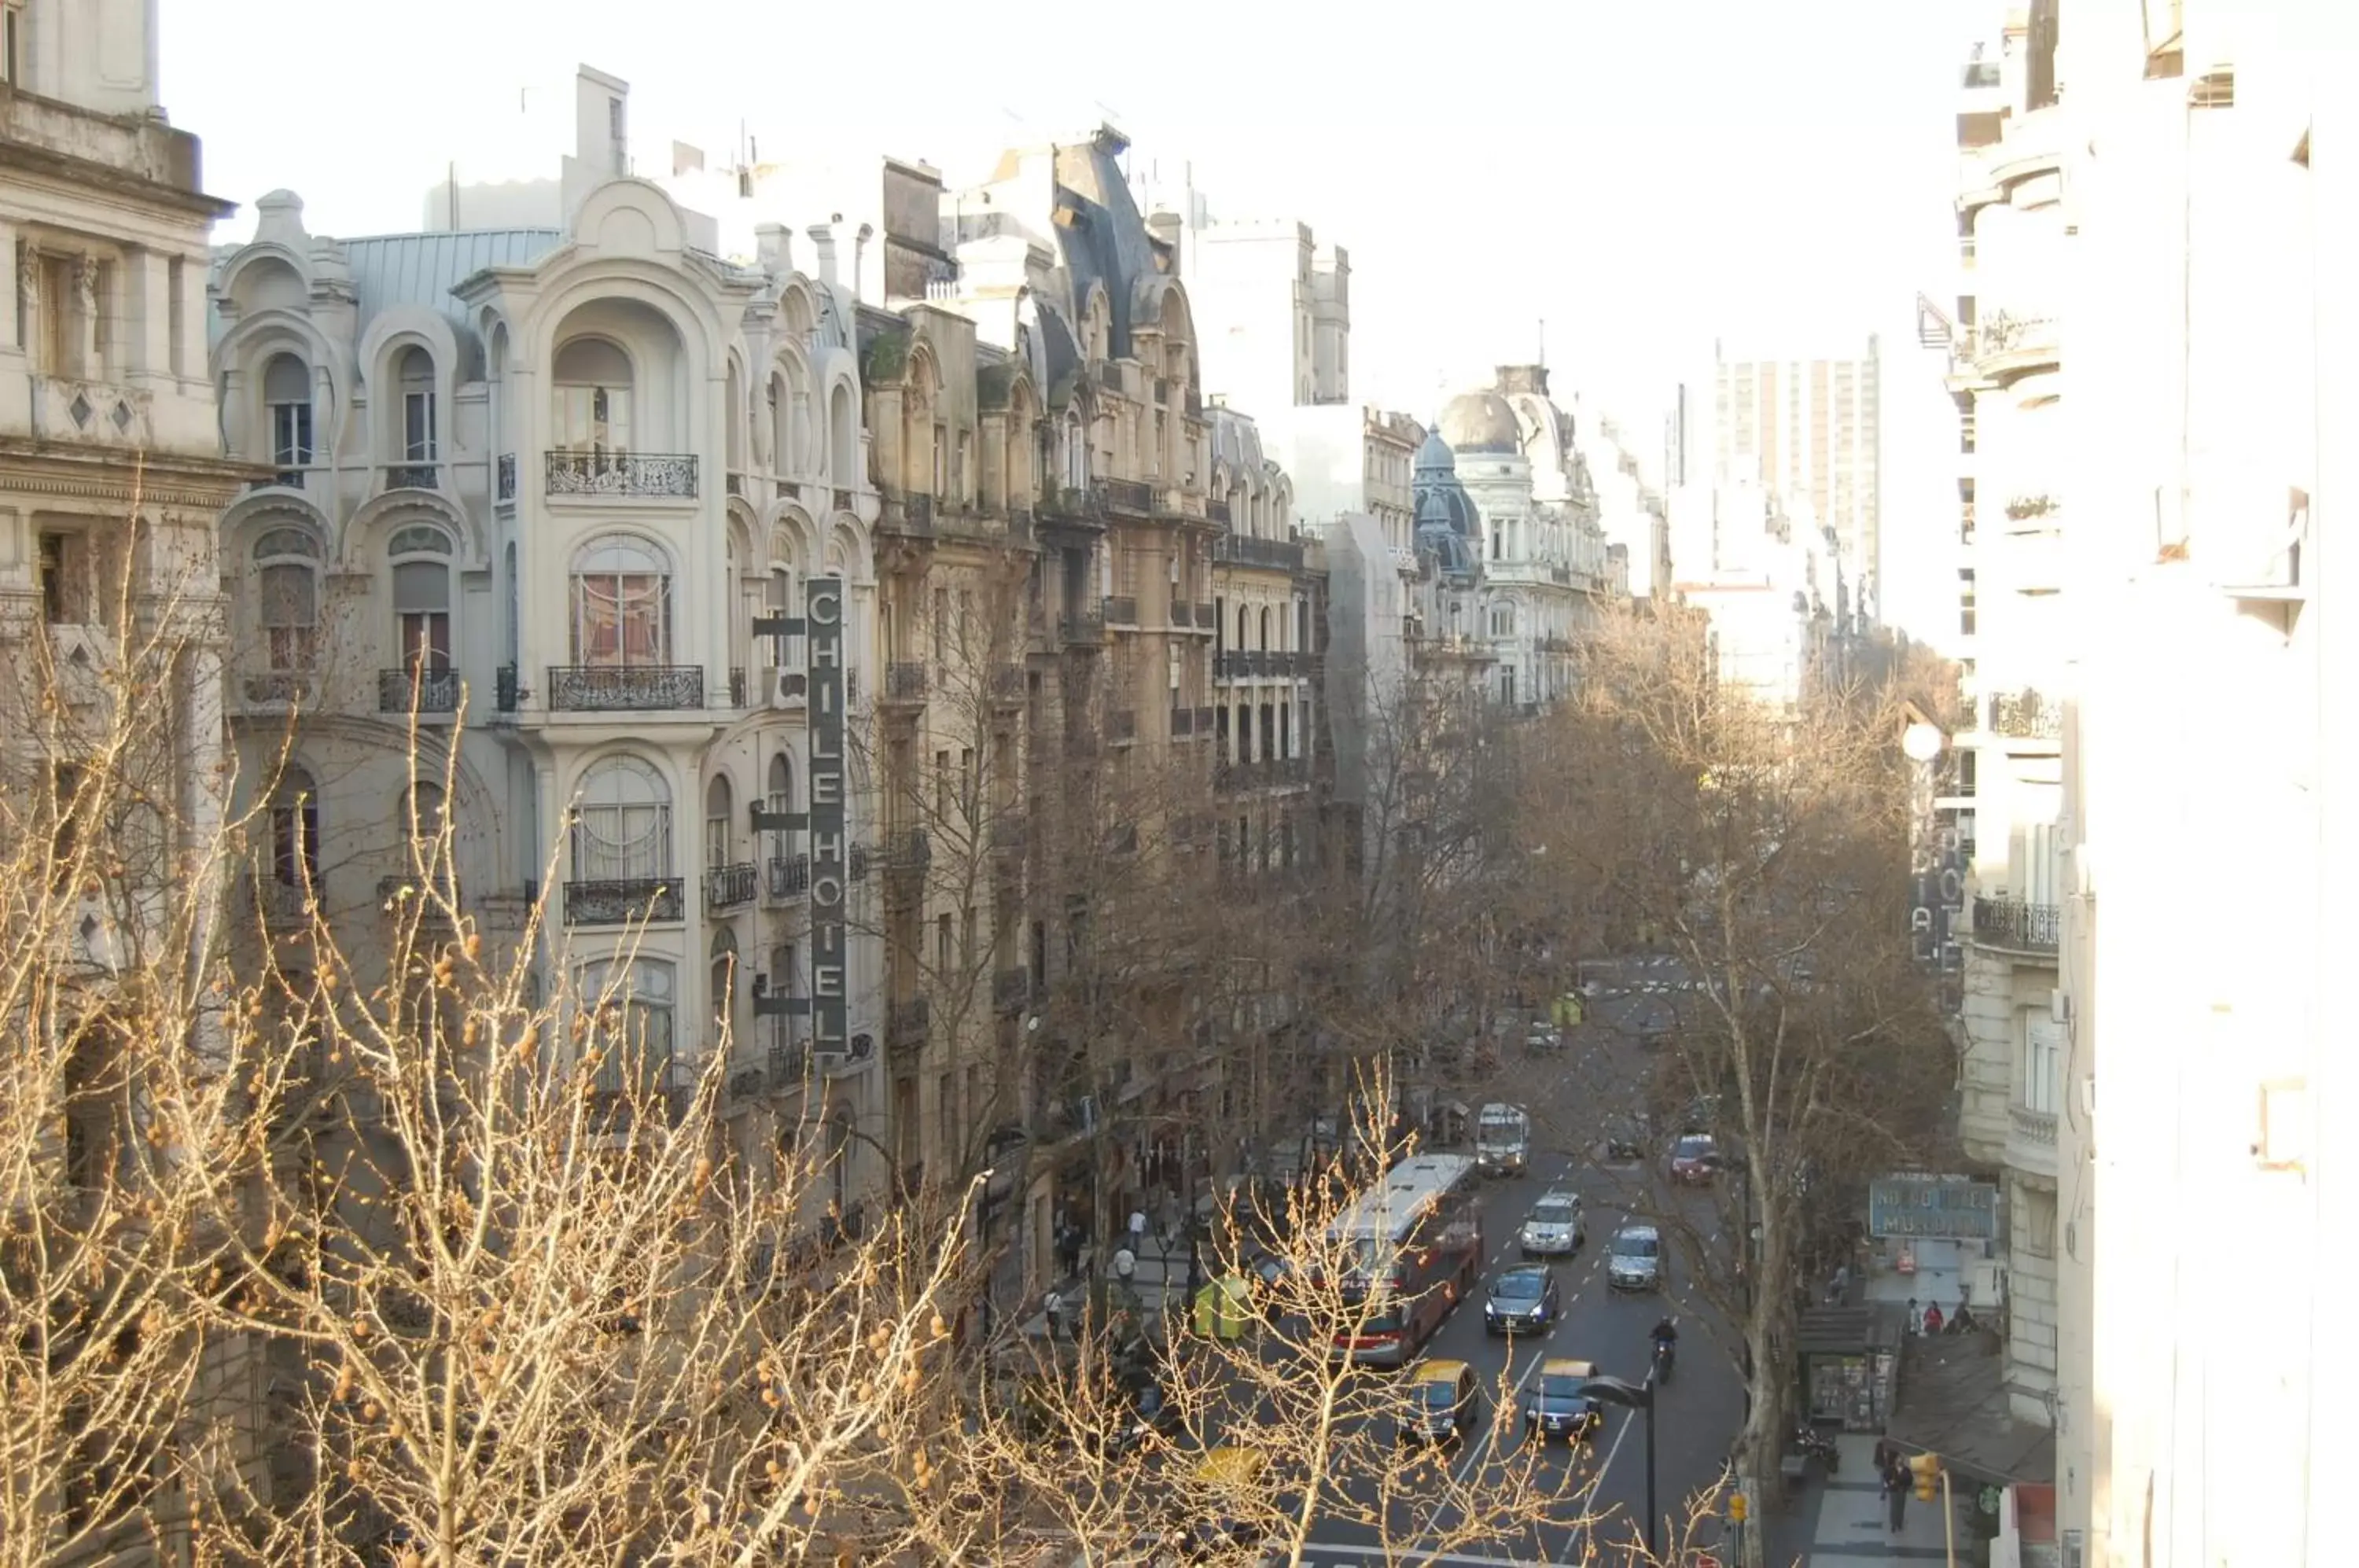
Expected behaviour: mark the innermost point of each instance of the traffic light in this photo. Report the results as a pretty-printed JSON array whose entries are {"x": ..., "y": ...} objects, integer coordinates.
[
  {"x": 1736, "y": 1508},
  {"x": 1928, "y": 1471}
]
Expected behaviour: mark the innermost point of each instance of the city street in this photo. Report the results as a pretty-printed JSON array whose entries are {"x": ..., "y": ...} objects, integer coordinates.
[{"x": 1571, "y": 1096}]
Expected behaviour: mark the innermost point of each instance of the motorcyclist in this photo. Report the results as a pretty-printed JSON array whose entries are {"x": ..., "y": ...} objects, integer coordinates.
[{"x": 1666, "y": 1342}]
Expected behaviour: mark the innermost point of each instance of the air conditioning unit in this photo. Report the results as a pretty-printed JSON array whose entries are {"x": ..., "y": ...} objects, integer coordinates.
[{"x": 786, "y": 689}]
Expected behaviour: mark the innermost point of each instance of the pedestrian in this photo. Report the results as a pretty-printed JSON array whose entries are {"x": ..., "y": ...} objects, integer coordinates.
[
  {"x": 1137, "y": 1231},
  {"x": 1069, "y": 1250},
  {"x": 1933, "y": 1317},
  {"x": 1052, "y": 1311},
  {"x": 1916, "y": 1317},
  {"x": 1839, "y": 1286},
  {"x": 1898, "y": 1479}
]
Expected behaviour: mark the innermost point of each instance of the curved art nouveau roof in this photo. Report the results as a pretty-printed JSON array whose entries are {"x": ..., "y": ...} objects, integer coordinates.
[{"x": 1481, "y": 421}]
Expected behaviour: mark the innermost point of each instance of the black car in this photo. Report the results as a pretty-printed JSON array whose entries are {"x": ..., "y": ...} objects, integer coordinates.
[
  {"x": 1555, "y": 1406},
  {"x": 1523, "y": 1300}
]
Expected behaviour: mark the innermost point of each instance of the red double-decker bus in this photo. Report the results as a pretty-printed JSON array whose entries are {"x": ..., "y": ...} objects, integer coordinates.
[{"x": 1409, "y": 1248}]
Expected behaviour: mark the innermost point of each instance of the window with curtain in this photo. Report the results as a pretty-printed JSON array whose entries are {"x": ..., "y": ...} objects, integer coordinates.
[
  {"x": 287, "y": 563},
  {"x": 622, "y": 604},
  {"x": 295, "y": 829},
  {"x": 781, "y": 794},
  {"x": 629, "y": 1004},
  {"x": 622, "y": 827},
  {"x": 718, "y": 802},
  {"x": 421, "y": 597}
]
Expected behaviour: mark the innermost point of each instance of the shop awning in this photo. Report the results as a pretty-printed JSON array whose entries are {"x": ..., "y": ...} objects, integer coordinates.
[{"x": 1953, "y": 1402}]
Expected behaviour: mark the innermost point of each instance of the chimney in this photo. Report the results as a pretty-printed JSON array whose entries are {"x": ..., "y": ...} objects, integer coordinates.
[
  {"x": 822, "y": 238},
  {"x": 773, "y": 247},
  {"x": 860, "y": 257}
]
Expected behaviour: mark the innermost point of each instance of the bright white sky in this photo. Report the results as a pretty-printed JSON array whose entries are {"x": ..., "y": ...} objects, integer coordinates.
[{"x": 1644, "y": 174}]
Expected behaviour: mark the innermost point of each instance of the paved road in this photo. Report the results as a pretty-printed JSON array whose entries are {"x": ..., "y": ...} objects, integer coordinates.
[{"x": 1571, "y": 1096}]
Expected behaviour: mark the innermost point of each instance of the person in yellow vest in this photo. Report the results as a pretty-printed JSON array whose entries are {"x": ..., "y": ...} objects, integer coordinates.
[{"x": 1222, "y": 1307}]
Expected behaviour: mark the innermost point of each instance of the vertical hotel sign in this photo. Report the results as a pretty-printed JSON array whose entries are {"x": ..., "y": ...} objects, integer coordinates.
[{"x": 823, "y": 613}]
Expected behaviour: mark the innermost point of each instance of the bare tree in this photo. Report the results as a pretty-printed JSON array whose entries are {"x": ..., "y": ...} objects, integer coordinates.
[{"x": 1767, "y": 851}]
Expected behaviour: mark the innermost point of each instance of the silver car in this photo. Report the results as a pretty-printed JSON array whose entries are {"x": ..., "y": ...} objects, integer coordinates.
[
  {"x": 1554, "y": 1228},
  {"x": 1635, "y": 1259}
]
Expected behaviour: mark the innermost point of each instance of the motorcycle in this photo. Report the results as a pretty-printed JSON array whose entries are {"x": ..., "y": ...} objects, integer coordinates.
[
  {"x": 1813, "y": 1443},
  {"x": 1665, "y": 1354}
]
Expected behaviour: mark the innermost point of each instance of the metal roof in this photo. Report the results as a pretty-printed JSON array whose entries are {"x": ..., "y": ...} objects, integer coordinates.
[{"x": 390, "y": 271}]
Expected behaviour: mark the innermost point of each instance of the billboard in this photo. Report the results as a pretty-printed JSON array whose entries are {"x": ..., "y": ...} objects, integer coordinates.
[
  {"x": 1931, "y": 1208},
  {"x": 830, "y": 866}
]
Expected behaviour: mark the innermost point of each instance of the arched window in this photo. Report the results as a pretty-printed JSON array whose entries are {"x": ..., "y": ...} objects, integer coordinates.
[
  {"x": 781, "y": 792},
  {"x": 592, "y": 383},
  {"x": 723, "y": 995},
  {"x": 1241, "y": 628},
  {"x": 718, "y": 801},
  {"x": 286, "y": 398},
  {"x": 295, "y": 829},
  {"x": 421, "y": 597},
  {"x": 287, "y": 563},
  {"x": 843, "y": 440},
  {"x": 622, "y": 826},
  {"x": 418, "y": 433},
  {"x": 622, "y": 603},
  {"x": 1265, "y": 626},
  {"x": 1077, "y": 453},
  {"x": 628, "y": 1003}
]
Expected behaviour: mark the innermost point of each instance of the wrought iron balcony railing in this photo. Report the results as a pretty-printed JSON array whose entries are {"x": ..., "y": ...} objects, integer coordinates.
[
  {"x": 1240, "y": 549},
  {"x": 1011, "y": 989},
  {"x": 1206, "y": 620},
  {"x": 1122, "y": 724},
  {"x": 1183, "y": 723},
  {"x": 670, "y": 474},
  {"x": 1217, "y": 512},
  {"x": 2023, "y": 927},
  {"x": 1007, "y": 683},
  {"x": 909, "y": 850},
  {"x": 624, "y": 688},
  {"x": 1081, "y": 629},
  {"x": 790, "y": 876},
  {"x": 506, "y": 693},
  {"x": 1009, "y": 835},
  {"x": 912, "y": 515},
  {"x": 279, "y": 686},
  {"x": 726, "y": 887},
  {"x": 1130, "y": 495},
  {"x": 619, "y": 902},
  {"x": 406, "y": 689},
  {"x": 907, "y": 1021},
  {"x": 413, "y": 476},
  {"x": 904, "y": 681},
  {"x": 429, "y": 895},
  {"x": 1121, "y": 610}
]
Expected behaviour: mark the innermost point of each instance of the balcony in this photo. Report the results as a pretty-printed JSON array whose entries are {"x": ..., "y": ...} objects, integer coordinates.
[
  {"x": 282, "y": 906},
  {"x": 904, "y": 681},
  {"x": 727, "y": 886},
  {"x": 908, "y": 852},
  {"x": 2031, "y": 1141},
  {"x": 1122, "y": 610},
  {"x": 1007, "y": 683},
  {"x": 1217, "y": 512},
  {"x": 1270, "y": 773},
  {"x": 663, "y": 475},
  {"x": 906, "y": 1023},
  {"x": 279, "y": 687},
  {"x": 1011, "y": 989},
  {"x": 1206, "y": 620},
  {"x": 1173, "y": 501},
  {"x": 624, "y": 688},
  {"x": 1009, "y": 835},
  {"x": 426, "y": 476},
  {"x": 1204, "y": 723},
  {"x": 1080, "y": 505},
  {"x": 1243, "y": 664},
  {"x": 408, "y": 689},
  {"x": 1122, "y": 725},
  {"x": 505, "y": 690},
  {"x": 1240, "y": 549},
  {"x": 1182, "y": 614},
  {"x": 620, "y": 902},
  {"x": 1183, "y": 723},
  {"x": 1129, "y": 496},
  {"x": 912, "y": 516},
  {"x": 790, "y": 876},
  {"x": 2014, "y": 927},
  {"x": 2008, "y": 345},
  {"x": 2027, "y": 715},
  {"x": 432, "y": 897}
]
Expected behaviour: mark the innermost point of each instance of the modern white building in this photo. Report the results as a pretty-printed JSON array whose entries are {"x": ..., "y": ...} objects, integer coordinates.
[
  {"x": 1811, "y": 427},
  {"x": 2203, "y": 1071},
  {"x": 543, "y": 504},
  {"x": 110, "y": 468}
]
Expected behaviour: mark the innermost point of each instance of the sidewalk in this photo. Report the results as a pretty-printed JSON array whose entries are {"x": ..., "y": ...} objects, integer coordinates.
[
  {"x": 1160, "y": 1280},
  {"x": 1850, "y": 1516}
]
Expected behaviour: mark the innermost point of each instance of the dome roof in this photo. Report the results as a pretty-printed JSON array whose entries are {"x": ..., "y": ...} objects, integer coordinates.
[
  {"x": 1481, "y": 421},
  {"x": 1435, "y": 457}
]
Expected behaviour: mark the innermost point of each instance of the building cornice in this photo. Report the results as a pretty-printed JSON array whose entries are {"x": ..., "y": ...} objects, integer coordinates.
[{"x": 37, "y": 468}]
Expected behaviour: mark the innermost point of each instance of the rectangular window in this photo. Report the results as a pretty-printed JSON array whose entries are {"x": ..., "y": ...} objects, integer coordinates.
[
  {"x": 966, "y": 938},
  {"x": 290, "y": 615},
  {"x": 942, "y": 787},
  {"x": 962, "y": 475},
  {"x": 2043, "y": 1064},
  {"x": 421, "y": 603},
  {"x": 290, "y": 435},
  {"x": 418, "y": 426},
  {"x": 593, "y": 419},
  {"x": 65, "y": 579},
  {"x": 2038, "y": 1226},
  {"x": 967, "y": 800},
  {"x": 943, "y": 958},
  {"x": 941, "y": 461},
  {"x": 295, "y": 841},
  {"x": 622, "y": 618},
  {"x": 9, "y": 47},
  {"x": 941, "y": 625},
  {"x": 946, "y": 1107}
]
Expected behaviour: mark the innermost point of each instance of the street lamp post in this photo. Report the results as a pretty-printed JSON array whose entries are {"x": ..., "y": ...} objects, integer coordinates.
[{"x": 1637, "y": 1396}]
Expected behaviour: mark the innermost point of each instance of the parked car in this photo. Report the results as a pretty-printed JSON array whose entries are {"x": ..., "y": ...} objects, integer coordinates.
[
  {"x": 1634, "y": 1261},
  {"x": 1555, "y": 1228},
  {"x": 1555, "y": 1406},
  {"x": 1695, "y": 1160},
  {"x": 1442, "y": 1402},
  {"x": 1523, "y": 1300}
]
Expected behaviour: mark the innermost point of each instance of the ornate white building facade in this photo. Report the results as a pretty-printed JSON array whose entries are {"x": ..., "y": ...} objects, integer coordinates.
[
  {"x": 1546, "y": 563},
  {"x": 534, "y": 491}
]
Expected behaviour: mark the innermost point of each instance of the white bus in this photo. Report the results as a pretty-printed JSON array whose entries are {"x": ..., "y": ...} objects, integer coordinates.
[{"x": 1412, "y": 1246}]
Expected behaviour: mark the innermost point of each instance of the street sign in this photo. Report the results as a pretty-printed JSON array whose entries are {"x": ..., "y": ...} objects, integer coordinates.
[{"x": 1927, "y": 1207}]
